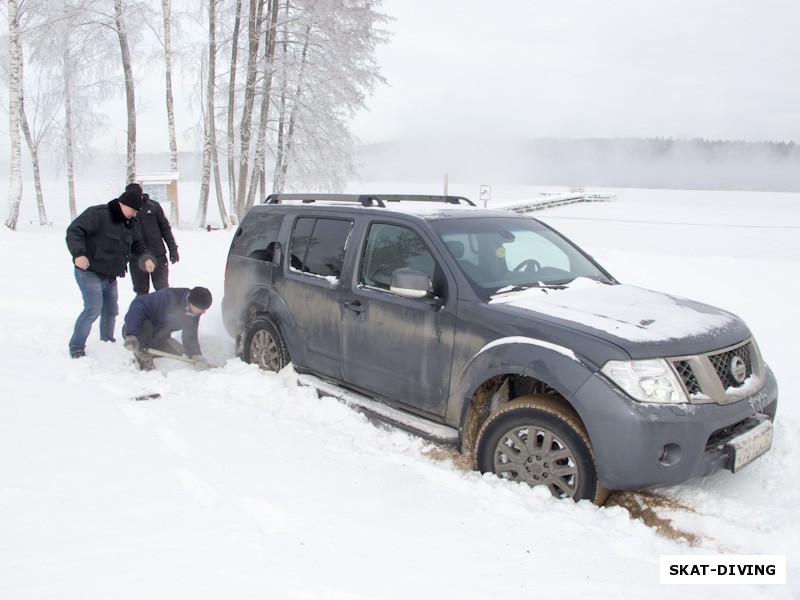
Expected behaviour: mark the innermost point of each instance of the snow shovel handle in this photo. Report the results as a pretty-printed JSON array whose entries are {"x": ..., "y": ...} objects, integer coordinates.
[{"x": 180, "y": 357}]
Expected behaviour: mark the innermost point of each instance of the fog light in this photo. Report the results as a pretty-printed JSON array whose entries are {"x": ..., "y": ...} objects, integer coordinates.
[{"x": 669, "y": 455}]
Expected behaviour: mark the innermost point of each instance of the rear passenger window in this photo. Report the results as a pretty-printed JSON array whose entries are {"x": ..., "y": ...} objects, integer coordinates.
[
  {"x": 391, "y": 247},
  {"x": 318, "y": 246},
  {"x": 257, "y": 235}
]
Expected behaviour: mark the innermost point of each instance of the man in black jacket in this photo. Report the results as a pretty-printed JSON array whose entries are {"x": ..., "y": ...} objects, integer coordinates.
[
  {"x": 100, "y": 241},
  {"x": 154, "y": 229}
]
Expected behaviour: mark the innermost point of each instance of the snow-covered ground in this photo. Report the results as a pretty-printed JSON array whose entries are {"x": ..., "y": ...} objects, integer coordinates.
[{"x": 236, "y": 483}]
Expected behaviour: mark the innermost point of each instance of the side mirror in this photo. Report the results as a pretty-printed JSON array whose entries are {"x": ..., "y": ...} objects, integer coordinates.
[{"x": 410, "y": 283}]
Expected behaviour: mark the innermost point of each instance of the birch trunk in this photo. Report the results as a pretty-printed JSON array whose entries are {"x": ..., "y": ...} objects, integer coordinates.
[
  {"x": 129, "y": 91},
  {"x": 34, "y": 151},
  {"x": 231, "y": 134},
  {"x": 69, "y": 137},
  {"x": 14, "y": 97},
  {"x": 253, "y": 37},
  {"x": 287, "y": 133},
  {"x": 261, "y": 143},
  {"x": 173, "y": 143},
  {"x": 208, "y": 118}
]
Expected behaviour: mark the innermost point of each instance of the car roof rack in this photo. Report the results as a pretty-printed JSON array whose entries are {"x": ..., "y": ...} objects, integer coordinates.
[{"x": 366, "y": 199}]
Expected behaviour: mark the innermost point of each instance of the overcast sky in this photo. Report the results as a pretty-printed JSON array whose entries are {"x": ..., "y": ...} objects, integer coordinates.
[{"x": 716, "y": 69}]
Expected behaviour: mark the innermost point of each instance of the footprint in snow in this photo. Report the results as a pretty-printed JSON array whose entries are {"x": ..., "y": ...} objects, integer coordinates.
[
  {"x": 200, "y": 491},
  {"x": 173, "y": 442}
]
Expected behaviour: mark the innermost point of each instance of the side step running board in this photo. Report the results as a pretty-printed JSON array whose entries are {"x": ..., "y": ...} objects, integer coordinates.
[{"x": 404, "y": 420}]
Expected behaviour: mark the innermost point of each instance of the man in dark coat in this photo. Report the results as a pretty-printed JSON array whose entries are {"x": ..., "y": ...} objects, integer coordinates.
[
  {"x": 152, "y": 318},
  {"x": 154, "y": 229},
  {"x": 101, "y": 241}
]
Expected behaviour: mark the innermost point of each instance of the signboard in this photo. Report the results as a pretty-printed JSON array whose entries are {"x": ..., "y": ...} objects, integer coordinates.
[
  {"x": 163, "y": 188},
  {"x": 486, "y": 194},
  {"x": 156, "y": 191}
]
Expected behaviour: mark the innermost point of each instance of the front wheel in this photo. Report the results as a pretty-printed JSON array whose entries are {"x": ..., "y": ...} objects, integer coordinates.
[
  {"x": 264, "y": 345},
  {"x": 539, "y": 441}
]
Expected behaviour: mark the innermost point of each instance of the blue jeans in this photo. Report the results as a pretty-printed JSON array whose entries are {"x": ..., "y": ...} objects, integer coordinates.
[{"x": 99, "y": 300}]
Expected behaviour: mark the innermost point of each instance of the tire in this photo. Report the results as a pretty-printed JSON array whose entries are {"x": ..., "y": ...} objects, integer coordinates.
[
  {"x": 264, "y": 345},
  {"x": 559, "y": 454}
]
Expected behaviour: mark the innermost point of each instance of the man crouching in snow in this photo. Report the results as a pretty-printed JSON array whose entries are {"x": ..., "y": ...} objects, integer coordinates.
[{"x": 152, "y": 318}]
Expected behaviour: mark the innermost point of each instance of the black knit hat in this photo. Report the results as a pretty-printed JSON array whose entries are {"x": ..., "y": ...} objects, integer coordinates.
[
  {"x": 131, "y": 199},
  {"x": 200, "y": 297},
  {"x": 134, "y": 187}
]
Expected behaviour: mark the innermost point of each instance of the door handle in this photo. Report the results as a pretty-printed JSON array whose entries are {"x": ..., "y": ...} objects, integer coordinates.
[{"x": 355, "y": 306}]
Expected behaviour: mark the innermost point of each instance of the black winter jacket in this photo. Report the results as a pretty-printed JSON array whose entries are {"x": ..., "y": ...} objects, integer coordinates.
[
  {"x": 154, "y": 229},
  {"x": 103, "y": 235}
]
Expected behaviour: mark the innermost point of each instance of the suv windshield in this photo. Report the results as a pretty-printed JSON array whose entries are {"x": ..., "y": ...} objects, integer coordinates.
[{"x": 508, "y": 253}]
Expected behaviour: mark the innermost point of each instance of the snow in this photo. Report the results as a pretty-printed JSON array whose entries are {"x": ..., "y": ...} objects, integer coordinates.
[
  {"x": 516, "y": 339},
  {"x": 626, "y": 311},
  {"x": 237, "y": 483}
]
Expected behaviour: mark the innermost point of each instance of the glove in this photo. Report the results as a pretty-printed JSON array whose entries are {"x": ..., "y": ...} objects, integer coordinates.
[
  {"x": 200, "y": 363},
  {"x": 173, "y": 256},
  {"x": 131, "y": 343}
]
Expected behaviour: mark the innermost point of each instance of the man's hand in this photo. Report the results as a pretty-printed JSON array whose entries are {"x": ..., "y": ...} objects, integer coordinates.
[
  {"x": 131, "y": 343},
  {"x": 81, "y": 262},
  {"x": 200, "y": 363},
  {"x": 173, "y": 256},
  {"x": 149, "y": 266}
]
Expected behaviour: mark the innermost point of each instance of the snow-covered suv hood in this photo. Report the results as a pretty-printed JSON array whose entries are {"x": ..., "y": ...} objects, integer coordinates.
[{"x": 628, "y": 315}]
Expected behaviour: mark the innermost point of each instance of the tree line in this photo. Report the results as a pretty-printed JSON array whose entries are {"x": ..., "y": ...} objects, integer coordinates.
[
  {"x": 665, "y": 163},
  {"x": 277, "y": 81}
]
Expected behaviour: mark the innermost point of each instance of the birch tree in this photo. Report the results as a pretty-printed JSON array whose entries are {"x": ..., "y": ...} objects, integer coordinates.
[
  {"x": 14, "y": 101},
  {"x": 130, "y": 90},
  {"x": 257, "y": 177},
  {"x": 36, "y": 130},
  {"x": 82, "y": 48},
  {"x": 173, "y": 142},
  {"x": 231, "y": 132},
  {"x": 329, "y": 71},
  {"x": 210, "y": 159},
  {"x": 254, "y": 20}
]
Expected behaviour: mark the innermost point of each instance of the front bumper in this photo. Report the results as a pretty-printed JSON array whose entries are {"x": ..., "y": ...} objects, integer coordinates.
[{"x": 640, "y": 445}]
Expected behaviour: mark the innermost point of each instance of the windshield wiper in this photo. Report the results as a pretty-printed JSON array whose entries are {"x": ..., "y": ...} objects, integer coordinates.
[{"x": 537, "y": 285}]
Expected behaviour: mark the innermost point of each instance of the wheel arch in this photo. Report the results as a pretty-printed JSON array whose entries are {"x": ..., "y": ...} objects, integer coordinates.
[
  {"x": 510, "y": 368},
  {"x": 264, "y": 302}
]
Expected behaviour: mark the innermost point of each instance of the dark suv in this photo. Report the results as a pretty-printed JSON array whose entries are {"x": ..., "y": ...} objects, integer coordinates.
[{"x": 491, "y": 331}]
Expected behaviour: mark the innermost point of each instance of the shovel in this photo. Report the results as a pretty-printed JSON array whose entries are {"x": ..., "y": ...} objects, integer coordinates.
[{"x": 180, "y": 357}]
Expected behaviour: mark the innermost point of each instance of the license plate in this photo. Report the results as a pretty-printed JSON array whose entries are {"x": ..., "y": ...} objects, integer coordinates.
[{"x": 751, "y": 444}]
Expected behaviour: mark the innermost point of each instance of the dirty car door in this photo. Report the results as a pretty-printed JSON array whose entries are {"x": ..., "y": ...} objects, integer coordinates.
[
  {"x": 312, "y": 290},
  {"x": 395, "y": 347}
]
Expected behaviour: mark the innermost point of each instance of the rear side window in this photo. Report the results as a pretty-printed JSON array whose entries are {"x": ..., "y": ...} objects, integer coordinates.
[
  {"x": 318, "y": 245},
  {"x": 257, "y": 235}
]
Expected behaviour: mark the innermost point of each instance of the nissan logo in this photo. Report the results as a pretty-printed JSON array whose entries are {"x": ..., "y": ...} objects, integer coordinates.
[{"x": 738, "y": 369}]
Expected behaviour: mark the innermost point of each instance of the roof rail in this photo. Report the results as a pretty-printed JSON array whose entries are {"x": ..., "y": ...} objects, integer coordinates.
[{"x": 365, "y": 199}]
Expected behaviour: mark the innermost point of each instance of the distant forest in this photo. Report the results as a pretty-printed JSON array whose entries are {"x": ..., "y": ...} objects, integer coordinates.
[
  {"x": 625, "y": 162},
  {"x": 622, "y": 162}
]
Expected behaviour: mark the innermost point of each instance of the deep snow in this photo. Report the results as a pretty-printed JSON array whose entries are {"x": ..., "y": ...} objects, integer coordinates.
[{"x": 236, "y": 483}]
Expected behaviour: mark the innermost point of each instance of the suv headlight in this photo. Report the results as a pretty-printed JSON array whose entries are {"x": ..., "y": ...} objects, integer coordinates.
[{"x": 646, "y": 380}]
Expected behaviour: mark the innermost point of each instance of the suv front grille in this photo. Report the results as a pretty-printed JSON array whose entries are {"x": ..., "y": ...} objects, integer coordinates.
[
  {"x": 720, "y": 376},
  {"x": 687, "y": 376},
  {"x": 722, "y": 362}
]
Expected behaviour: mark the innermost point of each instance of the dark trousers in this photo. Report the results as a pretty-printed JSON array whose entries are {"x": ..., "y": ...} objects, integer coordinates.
[
  {"x": 158, "y": 339},
  {"x": 141, "y": 278}
]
